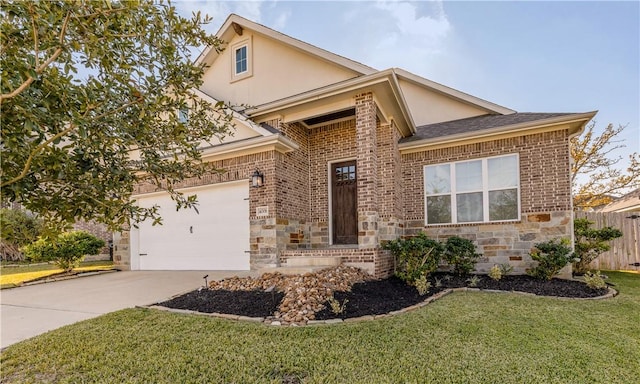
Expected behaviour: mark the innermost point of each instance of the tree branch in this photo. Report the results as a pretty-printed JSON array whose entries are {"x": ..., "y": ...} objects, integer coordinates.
[
  {"x": 35, "y": 36},
  {"x": 44, "y": 65},
  {"x": 40, "y": 147}
]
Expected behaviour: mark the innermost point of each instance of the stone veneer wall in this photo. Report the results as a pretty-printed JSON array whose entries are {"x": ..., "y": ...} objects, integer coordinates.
[
  {"x": 375, "y": 148},
  {"x": 375, "y": 261},
  {"x": 545, "y": 191}
]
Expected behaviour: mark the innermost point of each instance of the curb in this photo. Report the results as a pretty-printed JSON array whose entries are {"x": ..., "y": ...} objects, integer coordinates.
[
  {"x": 271, "y": 322},
  {"x": 53, "y": 280}
]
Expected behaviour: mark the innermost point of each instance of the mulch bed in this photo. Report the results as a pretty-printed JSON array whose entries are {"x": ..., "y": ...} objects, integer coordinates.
[
  {"x": 372, "y": 297},
  {"x": 243, "y": 303}
]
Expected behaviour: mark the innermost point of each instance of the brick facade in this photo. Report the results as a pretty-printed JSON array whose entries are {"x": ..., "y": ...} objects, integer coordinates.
[
  {"x": 390, "y": 195},
  {"x": 545, "y": 197}
]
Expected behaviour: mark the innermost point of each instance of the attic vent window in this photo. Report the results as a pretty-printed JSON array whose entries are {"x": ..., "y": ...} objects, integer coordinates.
[{"x": 241, "y": 60}]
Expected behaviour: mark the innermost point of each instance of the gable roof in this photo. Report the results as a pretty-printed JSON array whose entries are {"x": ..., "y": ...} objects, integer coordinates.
[
  {"x": 491, "y": 125},
  {"x": 235, "y": 25},
  {"x": 454, "y": 93},
  {"x": 385, "y": 84}
]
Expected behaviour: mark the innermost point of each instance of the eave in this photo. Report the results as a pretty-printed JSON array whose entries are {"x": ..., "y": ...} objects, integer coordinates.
[
  {"x": 575, "y": 123},
  {"x": 235, "y": 23},
  {"x": 384, "y": 85},
  {"x": 275, "y": 142}
]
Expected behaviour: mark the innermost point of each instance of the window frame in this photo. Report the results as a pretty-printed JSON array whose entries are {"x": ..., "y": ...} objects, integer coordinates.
[
  {"x": 235, "y": 76},
  {"x": 485, "y": 190}
]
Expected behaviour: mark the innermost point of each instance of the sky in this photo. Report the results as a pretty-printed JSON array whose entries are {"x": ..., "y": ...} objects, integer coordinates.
[{"x": 558, "y": 56}]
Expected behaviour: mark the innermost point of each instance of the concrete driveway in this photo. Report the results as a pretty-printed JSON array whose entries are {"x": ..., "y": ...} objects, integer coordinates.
[{"x": 30, "y": 311}]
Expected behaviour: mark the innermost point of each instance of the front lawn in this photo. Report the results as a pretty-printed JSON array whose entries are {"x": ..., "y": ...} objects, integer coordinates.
[
  {"x": 470, "y": 337},
  {"x": 11, "y": 276}
]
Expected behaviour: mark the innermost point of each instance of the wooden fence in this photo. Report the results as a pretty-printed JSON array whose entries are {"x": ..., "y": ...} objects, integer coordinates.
[{"x": 624, "y": 250}]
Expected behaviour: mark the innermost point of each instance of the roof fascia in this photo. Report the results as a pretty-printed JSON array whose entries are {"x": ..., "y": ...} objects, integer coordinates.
[
  {"x": 227, "y": 31},
  {"x": 447, "y": 91},
  {"x": 236, "y": 115},
  {"x": 358, "y": 83},
  {"x": 275, "y": 142},
  {"x": 581, "y": 119}
]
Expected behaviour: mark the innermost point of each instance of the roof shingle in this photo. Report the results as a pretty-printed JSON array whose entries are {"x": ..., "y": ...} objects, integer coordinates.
[{"x": 476, "y": 124}]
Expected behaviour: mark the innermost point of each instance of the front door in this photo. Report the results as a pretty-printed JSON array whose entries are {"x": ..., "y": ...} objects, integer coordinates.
[{"x": 344, "y": 209}]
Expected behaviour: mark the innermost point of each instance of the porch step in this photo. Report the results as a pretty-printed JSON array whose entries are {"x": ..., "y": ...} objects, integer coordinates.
[
  {"x": 287, "y": 270},
  {"x": 314, "y": 261}
]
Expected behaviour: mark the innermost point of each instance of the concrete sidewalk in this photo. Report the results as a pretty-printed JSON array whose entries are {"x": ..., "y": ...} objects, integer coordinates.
[{"x": 30, "y": 311}]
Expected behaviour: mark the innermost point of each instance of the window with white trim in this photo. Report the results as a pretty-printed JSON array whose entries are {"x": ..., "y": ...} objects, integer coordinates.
[
  {"x": 241, "y": 60},
  {"x": 473, "y": 191}
]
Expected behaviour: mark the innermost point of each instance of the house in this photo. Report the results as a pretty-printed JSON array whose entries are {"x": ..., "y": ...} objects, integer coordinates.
[
  {"x": 627, "y": 203},
  {"x": 347, "y": 157}
]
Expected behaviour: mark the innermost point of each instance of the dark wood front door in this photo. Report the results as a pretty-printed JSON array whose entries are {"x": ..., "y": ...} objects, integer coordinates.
[{"x": 344, "y": 208}]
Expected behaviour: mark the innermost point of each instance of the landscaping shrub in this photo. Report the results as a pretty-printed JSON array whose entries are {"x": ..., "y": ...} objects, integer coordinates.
[
  {"x": 415, "y": 257},
  {"x": 17, "y": 229},
  {"x": 66, "y": 251},
  {"x": 461, "y": 254},
  {"x": 595, "y": 280},
  {"x": 551, "y": 256},
  {"x": 495, "y": 272},
  {"x": 422, "y": 285},
  {"x": 590, "y": 243}
]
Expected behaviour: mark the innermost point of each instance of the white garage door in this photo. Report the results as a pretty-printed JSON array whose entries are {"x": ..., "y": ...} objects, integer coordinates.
[{"x": 216, "y": 238}]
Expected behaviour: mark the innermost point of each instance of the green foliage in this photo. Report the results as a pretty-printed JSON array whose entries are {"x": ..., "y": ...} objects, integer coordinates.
[
  {"x": 18, "y": 228},
  {"x": 90, "y": 94},
  {"x": 495, "y": 272},
  {"x": 335, "y": 305},
  {"x": 505, "y": 268},
  {"x": 552, "y": 256},
  {"x": 422, "y": 285},
  {"x": 479, "y": 338},
  {"x": 461, "y": 254},
  {"x": 590, "y": 243},
  {"x": 66, "y": 251},
  {"x": 415, "y": 257},
  {"x": 595, "y": 280},
  {"x": 474, "y": 280},
  {"x": 498, "y": 271}
]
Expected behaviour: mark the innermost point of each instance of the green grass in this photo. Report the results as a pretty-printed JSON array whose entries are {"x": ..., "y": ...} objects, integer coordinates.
[
  {"x": 11, "y": 276},
  {"x": 463, "y": 338}
]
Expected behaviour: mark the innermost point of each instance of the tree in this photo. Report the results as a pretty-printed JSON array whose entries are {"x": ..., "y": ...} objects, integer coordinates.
[
  {"x": 66, "y": 251},
  {"x": 590, "y": 243},
  {"x": 17, "y": 229},
  {"x": 594, "y": 177},
  {"x": 92, "y": 99}
]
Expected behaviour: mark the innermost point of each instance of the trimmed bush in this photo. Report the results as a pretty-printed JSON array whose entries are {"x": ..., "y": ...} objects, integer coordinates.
[
  {"x": 551, "y": 256},
  {"x": 66, "y": 251},
  {"x": 595, "y": 280},
  {"x": 590, "y": 243},
  {"x": 461, "y": 254},
  {"x": 415, "y": 257}
]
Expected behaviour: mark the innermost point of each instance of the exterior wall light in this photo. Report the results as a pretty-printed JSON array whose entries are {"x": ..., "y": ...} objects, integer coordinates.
[{"x": 257, "y": 179}]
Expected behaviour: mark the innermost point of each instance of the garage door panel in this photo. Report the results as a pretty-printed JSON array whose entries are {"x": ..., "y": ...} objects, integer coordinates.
[{"x": 216, "y": 238}]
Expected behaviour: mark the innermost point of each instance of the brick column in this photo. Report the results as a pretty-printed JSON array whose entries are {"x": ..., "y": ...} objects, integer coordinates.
[{"x": 367, "y": 163}]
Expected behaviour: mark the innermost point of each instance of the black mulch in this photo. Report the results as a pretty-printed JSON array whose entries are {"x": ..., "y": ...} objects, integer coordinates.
[
  {"x": 373, "y": 297},
  {"x": 243, "y": 303}
]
